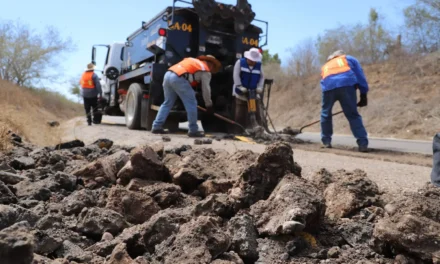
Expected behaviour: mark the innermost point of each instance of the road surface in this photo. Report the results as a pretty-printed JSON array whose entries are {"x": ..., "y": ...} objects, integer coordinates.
[
  {"x": 401, "y": 145},
  {"x": 390, "y": 176}
]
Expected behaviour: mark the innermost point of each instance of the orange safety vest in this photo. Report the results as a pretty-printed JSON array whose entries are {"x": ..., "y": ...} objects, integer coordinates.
[
  {"x": 335, "y": 66},
  {"x": 189, "y": 66},
  {"x": 87, "y": 80}
]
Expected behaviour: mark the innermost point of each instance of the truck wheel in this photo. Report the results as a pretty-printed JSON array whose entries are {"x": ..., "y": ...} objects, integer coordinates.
[{"x": 133, "y": 106}]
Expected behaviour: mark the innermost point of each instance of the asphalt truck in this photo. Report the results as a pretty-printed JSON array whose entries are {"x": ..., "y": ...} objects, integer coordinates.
[{"x": 133, "y": 71}]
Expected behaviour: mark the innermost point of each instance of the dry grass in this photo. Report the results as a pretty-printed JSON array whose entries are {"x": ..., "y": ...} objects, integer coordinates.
[
  {"x": 403, "y": 101},
  {"x": 5, "y": 138},
  {"x": 27, "y": 111}
]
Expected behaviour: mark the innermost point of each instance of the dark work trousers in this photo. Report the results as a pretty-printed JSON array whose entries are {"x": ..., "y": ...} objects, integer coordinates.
[
  {"x": 242, "y": 116},
  {"x": 435, "y": 173},
  {"x": 91, "y": 105}
]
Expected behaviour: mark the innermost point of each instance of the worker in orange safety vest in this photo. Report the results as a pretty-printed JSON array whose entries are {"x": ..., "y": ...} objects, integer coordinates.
[
  {"x": 179, "y": 81},
  {"x": 341, "y": 76},
  {"x": 91, "y": 92}
]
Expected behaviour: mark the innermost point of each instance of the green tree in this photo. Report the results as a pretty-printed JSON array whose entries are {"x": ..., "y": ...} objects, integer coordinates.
[{"x": 268, "y": 58}]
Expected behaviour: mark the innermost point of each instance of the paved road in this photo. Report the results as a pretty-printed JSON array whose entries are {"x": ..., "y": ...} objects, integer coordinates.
[
  {"x": 408, "y": 146},
  {"x": 388, "y": 175}
]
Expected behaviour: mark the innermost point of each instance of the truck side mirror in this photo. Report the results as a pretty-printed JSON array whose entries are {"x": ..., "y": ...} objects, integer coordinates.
[{"x": 94, "y": 55}]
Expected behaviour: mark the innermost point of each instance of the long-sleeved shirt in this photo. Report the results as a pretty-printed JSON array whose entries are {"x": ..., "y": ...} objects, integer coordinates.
[
  {"x": 237, "y": 79},
  {"x": 91, "y": 93},
  {"x": 205, "y": 78},
  {"x": 354, "y": 77}
]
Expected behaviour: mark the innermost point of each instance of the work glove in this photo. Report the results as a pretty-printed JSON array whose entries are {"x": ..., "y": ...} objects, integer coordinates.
[
  {"x": 364, "y": 101},
  {"x": 240, "y": 90},
  {"x": 210, "y": 110},
  {"x": 259, "y": 90}
]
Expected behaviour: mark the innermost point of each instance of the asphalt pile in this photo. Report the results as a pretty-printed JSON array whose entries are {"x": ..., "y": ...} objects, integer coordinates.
[
  {"x": 103, "y": 203},
  {"x": 288, "y": 135}
]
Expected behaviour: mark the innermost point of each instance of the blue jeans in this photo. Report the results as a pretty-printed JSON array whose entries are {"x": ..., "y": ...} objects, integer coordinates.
[
  {"x": 174, "y": 86},
  {"x": 347, "y": 98}
]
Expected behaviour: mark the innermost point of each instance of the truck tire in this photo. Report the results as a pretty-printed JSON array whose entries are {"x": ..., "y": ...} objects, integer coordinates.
[{"x": 133, "y": 106}]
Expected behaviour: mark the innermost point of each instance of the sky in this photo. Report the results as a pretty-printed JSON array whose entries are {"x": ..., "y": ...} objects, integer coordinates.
[{"x": 89, "y": 22}]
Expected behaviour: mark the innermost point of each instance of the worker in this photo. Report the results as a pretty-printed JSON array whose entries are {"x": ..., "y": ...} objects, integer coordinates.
[
  {"x": 248, "y": 75},
  {"x": 435, "y": 173},
  {"x": 180, "y": 80},
  {"x": 91, "y": 93},
  {"x": 341, "y": 75}
]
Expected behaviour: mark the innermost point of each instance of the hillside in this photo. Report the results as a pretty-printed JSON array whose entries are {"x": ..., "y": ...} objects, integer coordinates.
[
  {"x": 28, "y": 111},
  {"x": 403, "y": 102}
]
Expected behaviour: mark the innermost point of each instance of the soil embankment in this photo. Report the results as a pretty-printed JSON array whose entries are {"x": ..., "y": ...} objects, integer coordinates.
[{"x": 35, "y": 114}]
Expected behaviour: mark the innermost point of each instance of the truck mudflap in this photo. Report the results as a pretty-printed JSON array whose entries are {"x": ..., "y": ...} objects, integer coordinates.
[{"x": 147, "y": 115}]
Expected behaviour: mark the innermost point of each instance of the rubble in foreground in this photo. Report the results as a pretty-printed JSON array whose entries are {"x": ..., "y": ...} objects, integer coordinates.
[{"x": 103, "y": 203}]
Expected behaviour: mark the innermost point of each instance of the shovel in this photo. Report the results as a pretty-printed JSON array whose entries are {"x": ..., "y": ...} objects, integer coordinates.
[
  {"x": 299, "y": 131},
  {"x": 226, "y": 120}
]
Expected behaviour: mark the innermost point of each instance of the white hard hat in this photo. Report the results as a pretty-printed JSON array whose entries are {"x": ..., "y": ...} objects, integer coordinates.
[{"x": 253, "y": 54}]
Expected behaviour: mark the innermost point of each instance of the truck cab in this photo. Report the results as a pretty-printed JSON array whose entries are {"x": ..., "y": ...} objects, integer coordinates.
[
  {"x": 134, "y": 70},
  {"x": 110, "y": 70}
]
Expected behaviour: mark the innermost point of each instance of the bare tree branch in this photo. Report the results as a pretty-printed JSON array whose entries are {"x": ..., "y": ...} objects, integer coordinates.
[{"x": 26, "y": 55}]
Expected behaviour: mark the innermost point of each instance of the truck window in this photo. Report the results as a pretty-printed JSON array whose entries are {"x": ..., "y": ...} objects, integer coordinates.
[
  {"x": 122, "y": 53},
  {"x": 106, "y": 58}
]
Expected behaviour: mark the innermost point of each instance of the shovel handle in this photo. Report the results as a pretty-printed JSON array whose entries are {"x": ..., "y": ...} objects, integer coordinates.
[
  {"x": 311, "y": 124},
  {"x": 218, "y": 116},
  {"x": 226, "y": 120}
]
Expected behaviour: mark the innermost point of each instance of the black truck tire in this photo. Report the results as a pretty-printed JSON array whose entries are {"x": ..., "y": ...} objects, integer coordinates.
[{"x": 133, "y": 106}]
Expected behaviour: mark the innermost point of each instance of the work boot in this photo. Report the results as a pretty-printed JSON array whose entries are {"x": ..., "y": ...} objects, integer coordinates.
[
  {"x": 197, "y": 134},
  {"x": 158, "y": 131},
  {"x": 326, "y": 145},
  {"x": 363, "y": 149}
]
